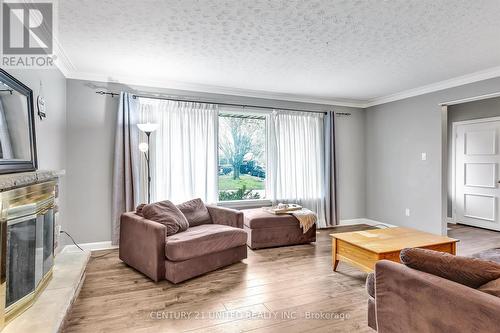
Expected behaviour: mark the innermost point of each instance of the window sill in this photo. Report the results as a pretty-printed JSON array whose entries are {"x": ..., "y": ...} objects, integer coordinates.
[{"x": 245, "y": 204}]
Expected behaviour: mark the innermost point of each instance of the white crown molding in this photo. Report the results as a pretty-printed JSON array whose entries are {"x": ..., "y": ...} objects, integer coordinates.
[
  {"x": 68, "y": 69},
  {"x": 167, "y": 84},
  {"x": 62, "y": 61},
  {"x": 470, "y": 99},
  {"x": 437, "y": 86}
]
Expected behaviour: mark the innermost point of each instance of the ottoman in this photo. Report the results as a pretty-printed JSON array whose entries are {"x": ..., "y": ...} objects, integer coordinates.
[{"x": 268, "y": 230}]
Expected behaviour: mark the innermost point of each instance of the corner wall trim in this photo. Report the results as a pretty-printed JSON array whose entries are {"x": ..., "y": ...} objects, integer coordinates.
[{"x": 89, "y": 247}]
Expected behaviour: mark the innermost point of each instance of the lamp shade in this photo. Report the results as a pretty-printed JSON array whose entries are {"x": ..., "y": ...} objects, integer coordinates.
[{"x": 148, "y": 127}]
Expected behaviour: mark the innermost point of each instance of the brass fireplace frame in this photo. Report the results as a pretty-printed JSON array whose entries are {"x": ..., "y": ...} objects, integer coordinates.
[{"x": 25, "y": 202}]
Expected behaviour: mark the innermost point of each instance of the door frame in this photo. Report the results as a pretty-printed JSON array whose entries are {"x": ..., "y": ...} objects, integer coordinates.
[{"x": 455, "y": 124}]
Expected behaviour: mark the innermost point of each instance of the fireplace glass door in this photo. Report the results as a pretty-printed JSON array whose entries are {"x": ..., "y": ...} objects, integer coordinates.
[
  {"x": 30, "y": 243},
  {"x": 27, "y": 219},
  {"x": 21, "y": 254}
]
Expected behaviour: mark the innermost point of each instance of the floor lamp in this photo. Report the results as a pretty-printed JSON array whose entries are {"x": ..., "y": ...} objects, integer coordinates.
[{"x": 147, "y": 128}]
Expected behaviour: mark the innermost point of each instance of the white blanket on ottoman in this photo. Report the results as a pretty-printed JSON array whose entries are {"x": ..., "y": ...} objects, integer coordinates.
[{"x": 306, "y": 218}]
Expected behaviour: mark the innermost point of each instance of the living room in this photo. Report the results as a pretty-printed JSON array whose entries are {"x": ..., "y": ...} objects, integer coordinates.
[{"x": 259, "y": 166}]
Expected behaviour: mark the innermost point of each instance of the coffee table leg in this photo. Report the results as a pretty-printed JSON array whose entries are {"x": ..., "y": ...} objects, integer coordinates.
[{"x": 335, "y": 261}]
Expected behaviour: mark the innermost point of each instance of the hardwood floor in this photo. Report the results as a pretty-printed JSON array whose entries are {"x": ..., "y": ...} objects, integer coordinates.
[
  {"x": 473, "y": 240},
  {"x": 289, "y": 289}
]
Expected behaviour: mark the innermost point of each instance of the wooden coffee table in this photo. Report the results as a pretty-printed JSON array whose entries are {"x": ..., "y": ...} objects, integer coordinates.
[{"x": 364, "y": 248}]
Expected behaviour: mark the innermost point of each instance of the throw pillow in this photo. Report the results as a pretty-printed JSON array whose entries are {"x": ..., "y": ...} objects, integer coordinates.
[
  {"x": 492, "y": 288},
  {"x": 138, "y": 209},
  {"x": 195, "y": 212},
  {"x": 470, "y": 272},
  {"x": 166, "y": 213}
]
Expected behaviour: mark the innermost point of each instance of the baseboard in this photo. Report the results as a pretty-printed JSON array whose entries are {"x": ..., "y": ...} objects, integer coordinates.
[
  {"x": 451, "y": 220},
  {"x": 364, "y": 221},
  {"x": 90, "y": 247}
]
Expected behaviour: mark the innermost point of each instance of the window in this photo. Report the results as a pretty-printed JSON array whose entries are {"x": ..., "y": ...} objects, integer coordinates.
[
  {"x": 242, "y": 157},
  {"x": 236, "y": 155}
]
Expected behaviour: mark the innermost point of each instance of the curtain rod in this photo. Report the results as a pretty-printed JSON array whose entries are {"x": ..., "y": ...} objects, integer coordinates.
[{"x": 113, "y": 94}]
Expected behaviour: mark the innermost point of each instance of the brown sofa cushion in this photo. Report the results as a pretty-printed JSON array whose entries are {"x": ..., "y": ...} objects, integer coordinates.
[
  {"x": 195, "y": 212},
  {"x": 166, "y": 213},
  {"x": 492, "y": 287},
  {"x": 470, "y": 272},
  {"x": 257, "y": 218},
  {"x": 202, "y": 240}
]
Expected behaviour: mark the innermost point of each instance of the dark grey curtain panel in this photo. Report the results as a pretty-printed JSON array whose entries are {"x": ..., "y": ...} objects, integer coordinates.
[
  {"x": 331, "y": 215},
  {"x": 126, "y": 169}
]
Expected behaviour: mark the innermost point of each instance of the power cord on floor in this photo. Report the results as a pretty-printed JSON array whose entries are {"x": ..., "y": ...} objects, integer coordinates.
[{"x": 76, "y": 244}]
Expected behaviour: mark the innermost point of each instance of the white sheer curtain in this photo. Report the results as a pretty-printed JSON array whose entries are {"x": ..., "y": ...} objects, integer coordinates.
[
  {"x": 296, "y": 160},
  {"x": 183, "y": 150}
]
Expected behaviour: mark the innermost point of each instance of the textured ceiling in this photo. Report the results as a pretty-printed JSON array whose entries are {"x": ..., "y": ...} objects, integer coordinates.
[{"x": 333, "y": 49}]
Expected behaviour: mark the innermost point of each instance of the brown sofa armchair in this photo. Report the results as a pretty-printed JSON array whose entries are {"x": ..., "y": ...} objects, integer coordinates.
[
  {"x": 404, "y": 299},
  {"x": 198, "y": 250}
]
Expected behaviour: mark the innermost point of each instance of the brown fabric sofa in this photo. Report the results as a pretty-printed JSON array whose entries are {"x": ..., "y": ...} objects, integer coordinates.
[
  {"x": 268, "y": 230},
  {"x": 404, "y": 299},
  {"x": 198, "y": 250}
]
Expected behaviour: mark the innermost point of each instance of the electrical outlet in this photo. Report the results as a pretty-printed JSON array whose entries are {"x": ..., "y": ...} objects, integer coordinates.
[
  {"x": 424, "y": 156},
  {"x": 58, "y": 229},
  {"x": 407, "y": 211}
]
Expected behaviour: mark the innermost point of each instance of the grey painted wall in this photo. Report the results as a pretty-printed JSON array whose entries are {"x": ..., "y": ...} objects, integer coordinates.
[
  {"x": 351, "y": 162},
  {"x": 467, "y": 111},
  {"x": 51, "y": 132},
  {"x": 90, "y": 145},
  {"x": 396, "y": 135}
]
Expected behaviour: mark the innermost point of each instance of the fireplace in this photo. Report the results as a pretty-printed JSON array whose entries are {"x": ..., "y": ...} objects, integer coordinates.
[{"x": 27, "y": 245}]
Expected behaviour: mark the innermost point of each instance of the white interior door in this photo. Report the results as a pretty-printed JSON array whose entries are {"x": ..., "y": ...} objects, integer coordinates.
[{"x": 476, "y": 174}]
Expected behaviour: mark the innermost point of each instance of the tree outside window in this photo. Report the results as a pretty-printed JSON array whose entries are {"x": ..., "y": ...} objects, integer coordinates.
[{"x": 242, "y": 169}]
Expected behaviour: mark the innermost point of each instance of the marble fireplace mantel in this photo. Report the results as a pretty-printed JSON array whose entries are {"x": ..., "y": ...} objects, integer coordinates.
[{"x": 14, "y": 180}]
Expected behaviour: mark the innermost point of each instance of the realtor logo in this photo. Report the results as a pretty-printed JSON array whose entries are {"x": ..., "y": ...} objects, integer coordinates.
[{"x": 27, "y": 28}]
